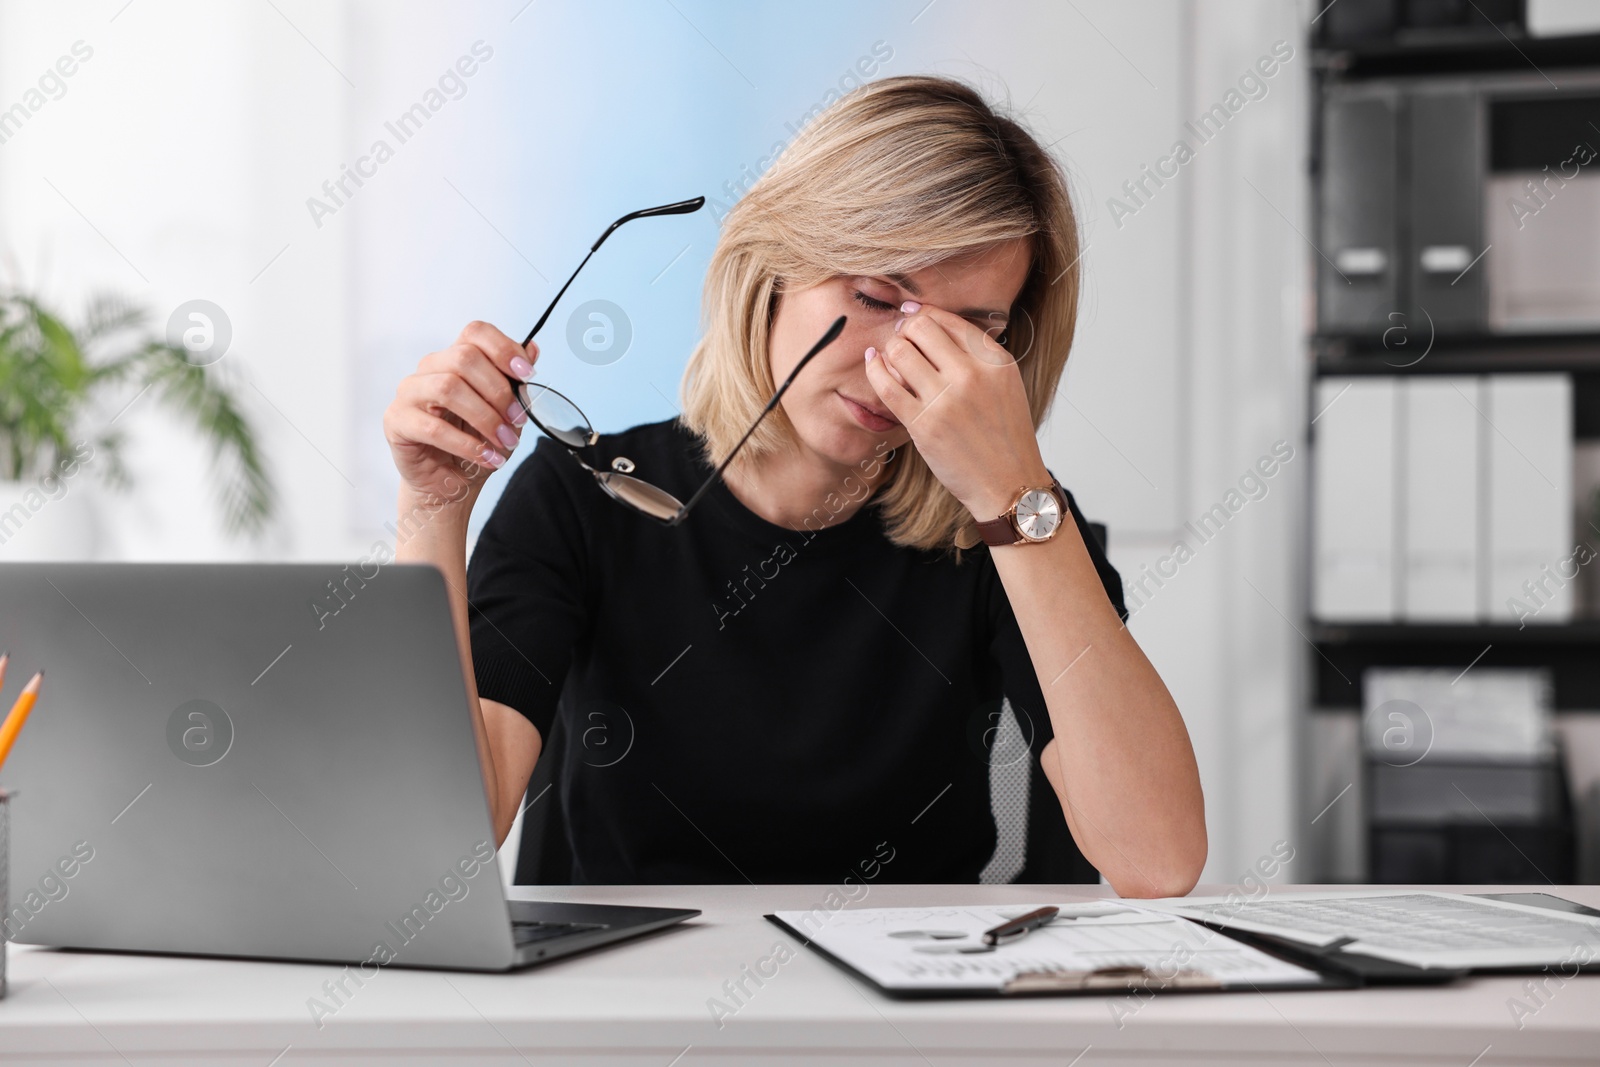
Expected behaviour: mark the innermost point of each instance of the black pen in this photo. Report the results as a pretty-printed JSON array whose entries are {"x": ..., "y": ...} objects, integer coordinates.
[{"x": 1021, "y": 926}]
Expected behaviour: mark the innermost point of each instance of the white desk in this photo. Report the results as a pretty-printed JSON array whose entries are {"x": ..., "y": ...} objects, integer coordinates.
[{"x": 645, "y": 1003}]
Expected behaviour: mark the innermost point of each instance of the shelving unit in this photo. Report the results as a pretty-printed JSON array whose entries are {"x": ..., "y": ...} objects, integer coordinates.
[
  {"x": 1419, "y": 147},
  {"x": 1571, "y": 650}
]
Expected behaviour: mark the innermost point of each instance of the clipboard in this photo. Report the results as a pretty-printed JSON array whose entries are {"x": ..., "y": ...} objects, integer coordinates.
[
  {"x": 1325, "y": 966},
  {"x": 1368, "y": 970},
  {"x": 1555, "y": 903},
  {"x": 1112, "y": 979}
]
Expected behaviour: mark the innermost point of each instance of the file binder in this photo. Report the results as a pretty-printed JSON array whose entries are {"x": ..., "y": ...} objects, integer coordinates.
[
  {"x": 1353, "y": 459},
  {"x": 1531, "y": 565},
  {"x": 1440, "y": 493}
]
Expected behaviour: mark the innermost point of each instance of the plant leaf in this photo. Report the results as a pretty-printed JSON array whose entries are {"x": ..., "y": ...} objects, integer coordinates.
[{"x": 245, "y": 489}]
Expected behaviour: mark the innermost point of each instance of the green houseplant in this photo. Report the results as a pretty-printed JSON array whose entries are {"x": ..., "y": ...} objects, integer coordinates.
[{"x": 63, "y": 391}]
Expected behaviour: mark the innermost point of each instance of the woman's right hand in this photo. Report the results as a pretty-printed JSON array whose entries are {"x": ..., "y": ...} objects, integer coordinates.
[{"x": 456, "y": 419}]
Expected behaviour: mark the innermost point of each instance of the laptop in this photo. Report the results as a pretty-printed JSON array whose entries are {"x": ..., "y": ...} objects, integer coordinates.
[{"x": 261, "y": 760}]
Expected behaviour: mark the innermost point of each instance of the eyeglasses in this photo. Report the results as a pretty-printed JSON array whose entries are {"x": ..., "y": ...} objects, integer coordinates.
[{"x": 562, "y": 421}]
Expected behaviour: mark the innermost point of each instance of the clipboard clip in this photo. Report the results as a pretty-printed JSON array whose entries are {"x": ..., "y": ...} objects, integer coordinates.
[{"x": 1107, "y": 979}]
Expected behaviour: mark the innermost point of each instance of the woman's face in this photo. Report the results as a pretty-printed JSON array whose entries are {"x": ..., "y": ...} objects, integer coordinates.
[{"x": 834, "y": 409}]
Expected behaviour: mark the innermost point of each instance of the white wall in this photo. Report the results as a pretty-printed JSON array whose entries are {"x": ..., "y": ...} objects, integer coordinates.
[
  {"x": 162, "y": 174},
  {"x": 194, "y": 136},
  {"x": 1222, "y": 631}
]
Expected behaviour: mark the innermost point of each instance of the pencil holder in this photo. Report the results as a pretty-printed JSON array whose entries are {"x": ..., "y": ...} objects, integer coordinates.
[{"x": 5, "y": 885}]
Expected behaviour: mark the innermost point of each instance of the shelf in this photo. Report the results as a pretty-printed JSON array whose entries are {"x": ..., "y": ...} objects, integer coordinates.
[
  {"x": 1476, "y": 353},
  {"x": 1571, "y": 652},
  {"x": 1458, "y": 56},
  {"x": 1583, "y": 631}
]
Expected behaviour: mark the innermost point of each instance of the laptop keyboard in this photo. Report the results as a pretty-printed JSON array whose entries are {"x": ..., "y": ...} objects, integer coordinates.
[{"x": 526, "y": 933}]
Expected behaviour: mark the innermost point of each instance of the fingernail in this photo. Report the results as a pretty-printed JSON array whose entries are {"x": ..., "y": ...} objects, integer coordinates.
[
  {"x": 521, "y": 368},
  {"x": 492, "y": 458},
  {"x": 911, "y": 307},
  {"x": 872, "y": 354},
  {"x": 507, "y": 435},
  {"x": 516, "y": 414},
  {"x": 898, "y": 323}
]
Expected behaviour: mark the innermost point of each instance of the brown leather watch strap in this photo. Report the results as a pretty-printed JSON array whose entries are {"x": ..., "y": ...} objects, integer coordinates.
[{"x": 999, "y": 532}]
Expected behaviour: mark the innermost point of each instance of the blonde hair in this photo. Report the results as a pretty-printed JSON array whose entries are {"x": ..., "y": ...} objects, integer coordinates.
[{"x": 897, "y": 175}]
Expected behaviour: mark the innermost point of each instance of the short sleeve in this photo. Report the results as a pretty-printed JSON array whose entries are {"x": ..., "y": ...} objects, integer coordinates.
[
  {"x": 528, "y": 587},
  {"x": 1021, "y": 684}
]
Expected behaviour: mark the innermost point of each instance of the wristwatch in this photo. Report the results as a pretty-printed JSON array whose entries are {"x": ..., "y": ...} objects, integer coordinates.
[{"x": 1035, "y": 517}]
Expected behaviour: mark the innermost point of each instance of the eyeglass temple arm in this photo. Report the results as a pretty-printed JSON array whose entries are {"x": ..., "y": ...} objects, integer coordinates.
[
  {"x": 682, "y": 207},
  {"x": 827, "y": 339}
]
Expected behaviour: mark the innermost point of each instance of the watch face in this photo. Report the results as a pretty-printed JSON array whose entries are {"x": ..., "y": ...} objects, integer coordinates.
[{"x": 1038, "y": 514}]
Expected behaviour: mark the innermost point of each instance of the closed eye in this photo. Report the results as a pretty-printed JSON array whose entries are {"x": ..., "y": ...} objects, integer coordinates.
[{"x": 871, "y": 302}]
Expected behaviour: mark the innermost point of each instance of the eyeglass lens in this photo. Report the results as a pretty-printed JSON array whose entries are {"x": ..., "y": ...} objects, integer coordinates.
[
  {"x": 555, "y": 414},
  {"x": 642, "y": 496}
]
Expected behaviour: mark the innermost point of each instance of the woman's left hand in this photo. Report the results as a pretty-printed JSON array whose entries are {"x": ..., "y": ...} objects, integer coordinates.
[{"x": 960, "y": 396}]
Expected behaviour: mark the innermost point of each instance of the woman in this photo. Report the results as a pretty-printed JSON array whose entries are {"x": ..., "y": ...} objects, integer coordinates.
[{"x": 785, "y": 687}]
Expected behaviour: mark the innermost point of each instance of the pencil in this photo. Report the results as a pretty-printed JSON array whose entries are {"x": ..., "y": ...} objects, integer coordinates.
[{"x": 19, "y": 715}]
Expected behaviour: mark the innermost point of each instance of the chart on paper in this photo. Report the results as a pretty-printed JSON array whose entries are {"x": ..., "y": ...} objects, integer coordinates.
[{"x": 1419, "y": 928}]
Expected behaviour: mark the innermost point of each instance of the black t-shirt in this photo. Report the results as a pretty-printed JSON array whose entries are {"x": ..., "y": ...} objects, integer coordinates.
[{"x": 740, "y": 700}]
